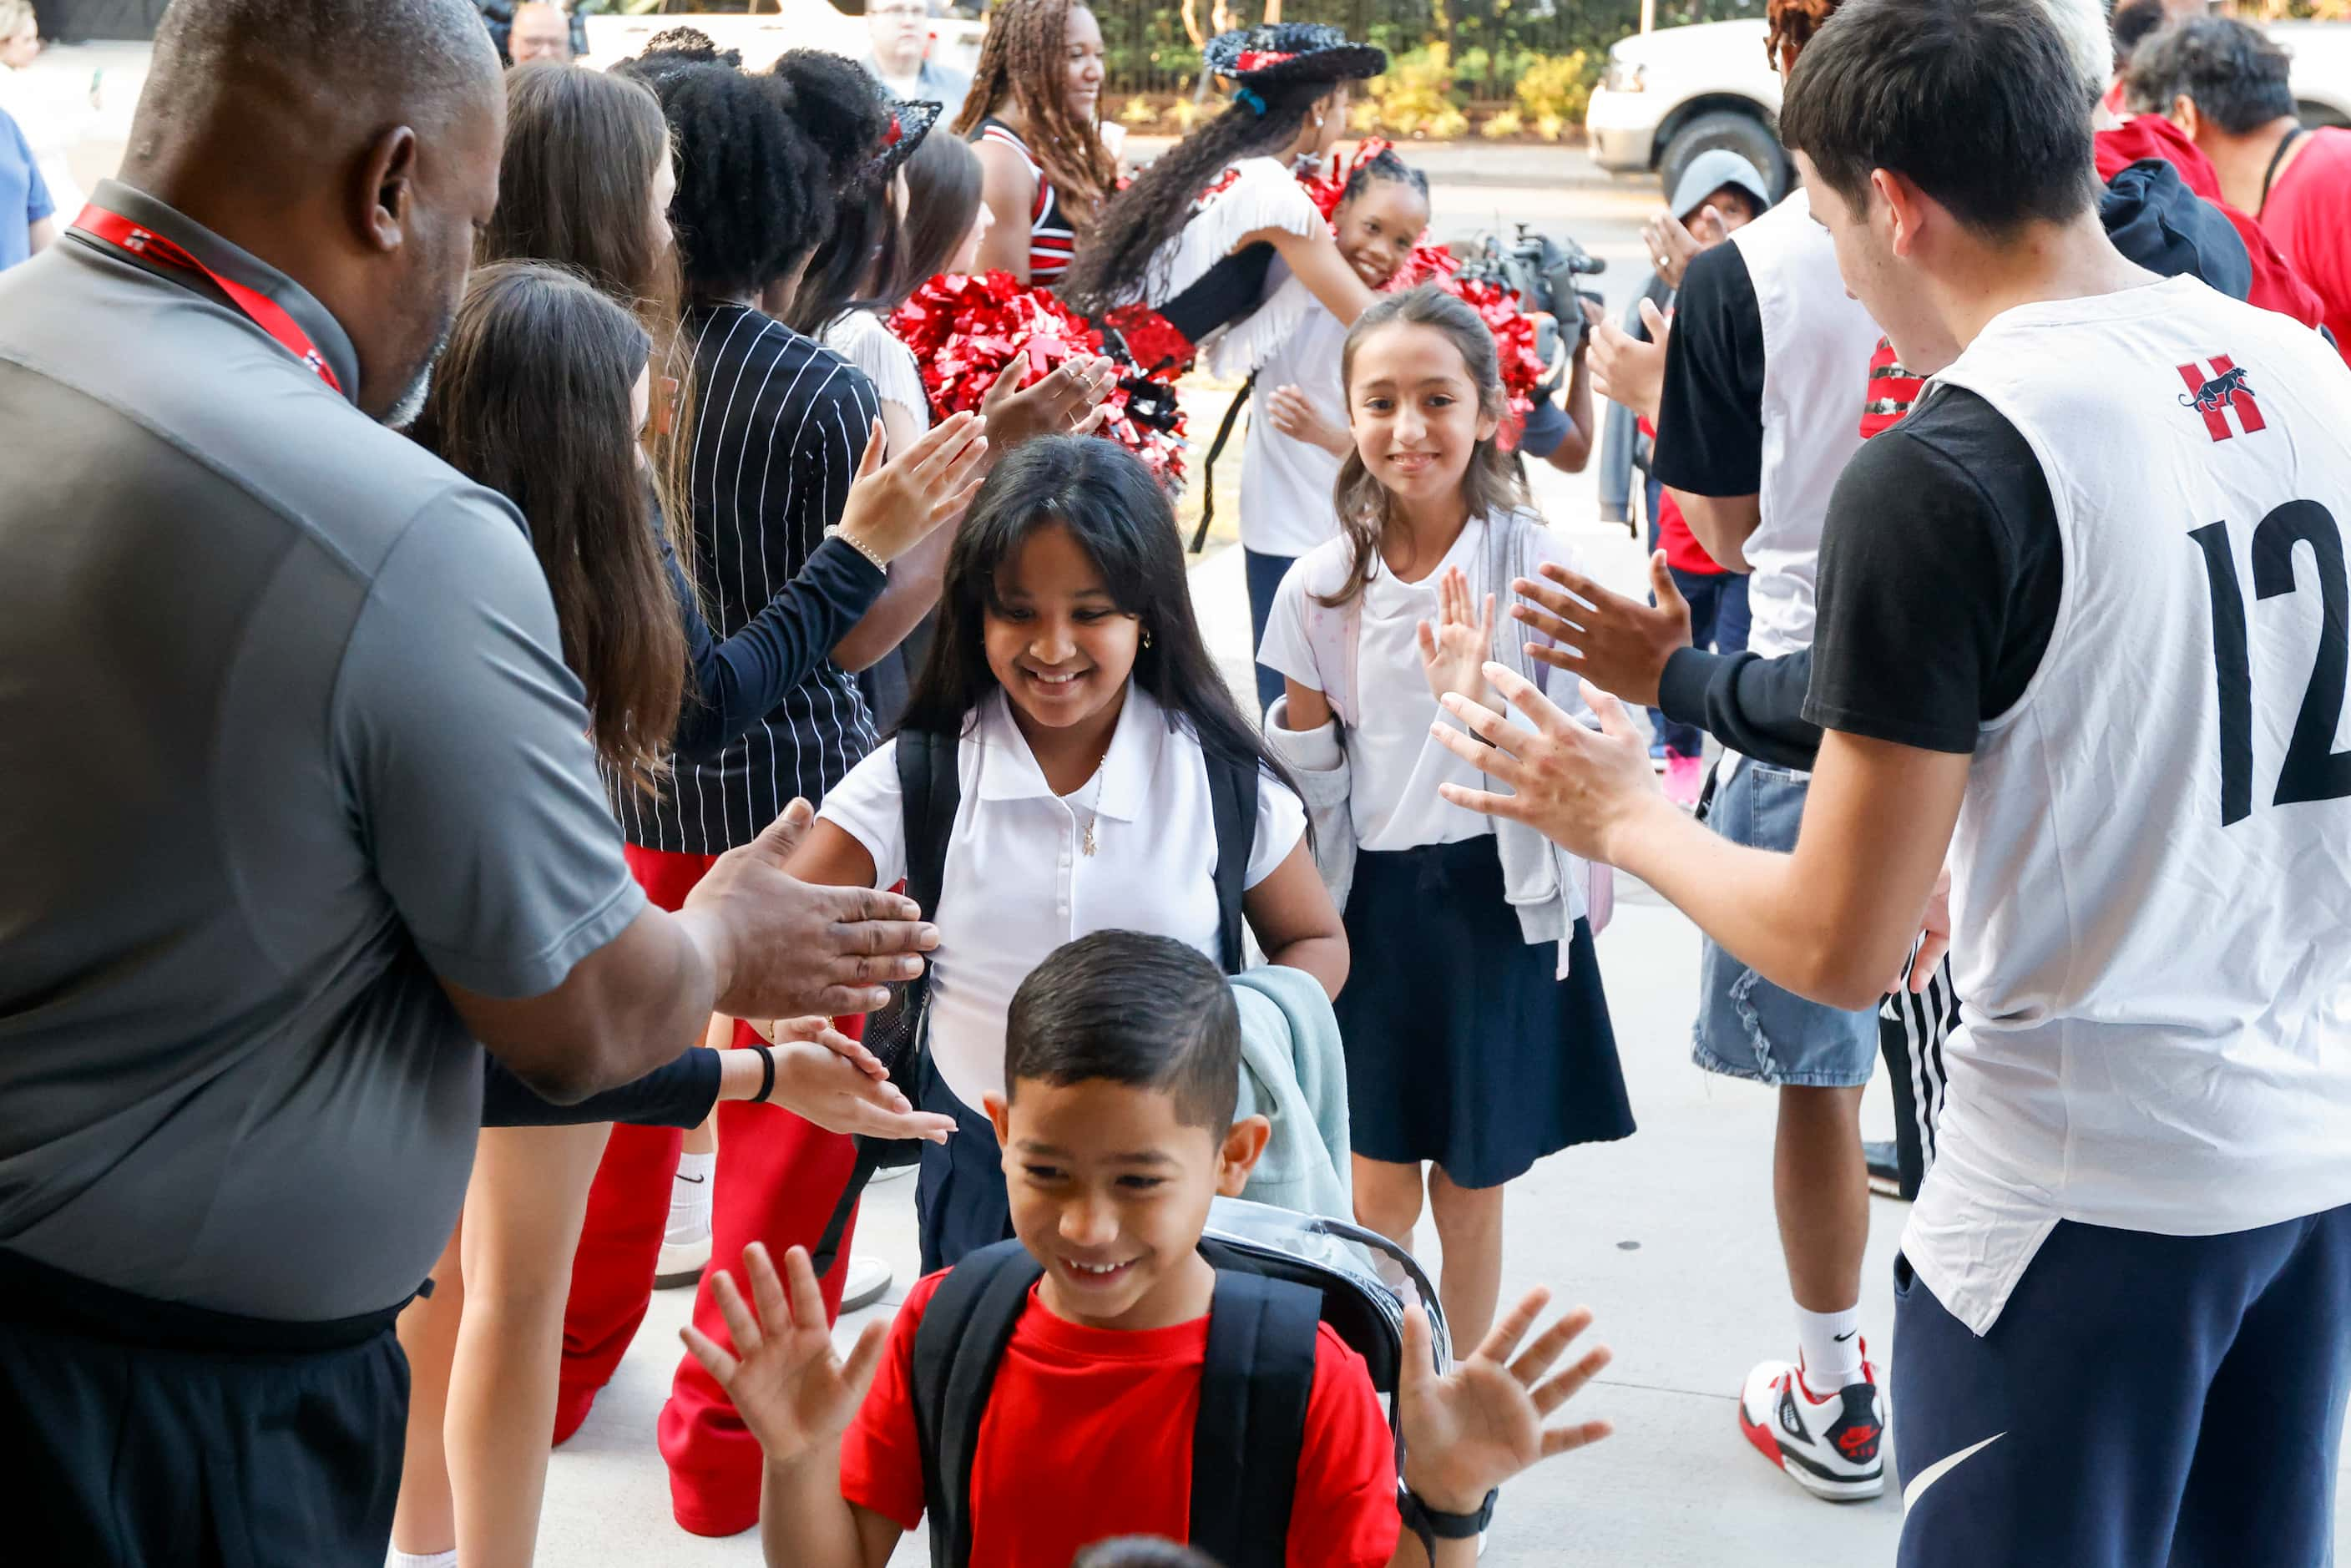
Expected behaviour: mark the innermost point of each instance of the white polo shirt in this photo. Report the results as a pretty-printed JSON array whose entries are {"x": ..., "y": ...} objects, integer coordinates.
[
  {"x": 1019, "y": 884},
  {"x": 1286, "y": 484}
]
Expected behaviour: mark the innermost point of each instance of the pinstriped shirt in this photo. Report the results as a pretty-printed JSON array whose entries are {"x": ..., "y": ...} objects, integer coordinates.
[{"x": 780, "y": 422}]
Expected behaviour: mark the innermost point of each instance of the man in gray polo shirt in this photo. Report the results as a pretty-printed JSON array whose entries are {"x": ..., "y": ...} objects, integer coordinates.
[{"x": 296, "y": 803}]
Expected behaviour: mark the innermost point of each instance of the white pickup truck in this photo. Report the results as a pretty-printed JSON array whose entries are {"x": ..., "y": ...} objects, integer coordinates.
[{"x": 1670, "y": 95}]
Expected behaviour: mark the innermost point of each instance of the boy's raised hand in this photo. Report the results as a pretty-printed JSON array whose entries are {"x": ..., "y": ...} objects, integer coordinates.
[
  {"x": 795, "y": 1394},
  {"x": 1468, "y": 1432}
]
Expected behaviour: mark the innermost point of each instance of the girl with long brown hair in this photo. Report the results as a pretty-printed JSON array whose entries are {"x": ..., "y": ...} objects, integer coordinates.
[
  {"x": 545, "y": 393},
  {"x": 1035, "y": 113},
  {"x": 1483, "y": 1042}
]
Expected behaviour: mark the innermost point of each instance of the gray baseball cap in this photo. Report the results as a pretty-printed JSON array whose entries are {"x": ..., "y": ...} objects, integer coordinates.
[{"x": 1710, "y": 171}]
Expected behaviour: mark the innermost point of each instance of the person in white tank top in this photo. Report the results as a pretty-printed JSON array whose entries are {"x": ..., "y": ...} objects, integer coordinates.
[{"x": 2082, "y": 629}]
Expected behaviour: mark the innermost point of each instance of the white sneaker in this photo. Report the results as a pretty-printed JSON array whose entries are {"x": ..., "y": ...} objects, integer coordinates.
[
  {"x": 1829, "y": 1445},
  {"x": 682, "y": 1261},
  {"x": 868, "y": 1282}
]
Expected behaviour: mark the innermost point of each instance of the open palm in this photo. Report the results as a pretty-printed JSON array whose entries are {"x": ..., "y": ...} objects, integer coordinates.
[
  {"x": 1454, "y": 648},
  {"x": 1470, "y": 1430},
  {"x": 795, "y": 1394}
]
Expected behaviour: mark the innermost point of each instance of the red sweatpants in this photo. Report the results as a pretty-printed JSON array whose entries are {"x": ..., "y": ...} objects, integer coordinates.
[{"x": 778, "y": 1179}]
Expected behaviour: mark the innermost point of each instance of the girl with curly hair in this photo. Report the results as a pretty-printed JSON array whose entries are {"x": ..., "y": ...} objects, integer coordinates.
[
  {"x": 1034, "y": 112},
  {"x": 1196, "y": 237}
]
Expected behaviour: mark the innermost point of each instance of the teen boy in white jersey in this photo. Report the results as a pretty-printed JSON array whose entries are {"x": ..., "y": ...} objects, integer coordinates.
[{"x": 2086, "y": 606}]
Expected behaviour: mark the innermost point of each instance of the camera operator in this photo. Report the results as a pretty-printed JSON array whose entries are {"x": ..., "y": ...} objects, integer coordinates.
[{"x": 1558, "y": 432}]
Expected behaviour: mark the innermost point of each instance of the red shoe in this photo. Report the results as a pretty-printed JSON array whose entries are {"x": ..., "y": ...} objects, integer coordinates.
[{"x": 1827, "y": 1445}]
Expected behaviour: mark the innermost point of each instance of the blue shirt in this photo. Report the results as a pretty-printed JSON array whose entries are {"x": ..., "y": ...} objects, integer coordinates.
[{"x": 22, "y": 191}]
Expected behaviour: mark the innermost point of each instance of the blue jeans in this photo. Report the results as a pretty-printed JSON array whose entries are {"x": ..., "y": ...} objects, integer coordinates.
[
  {"x": 1747, "y": 1027},
  {"x": 1718, "y": 619},
  {"x": 1264, "y": 575}
]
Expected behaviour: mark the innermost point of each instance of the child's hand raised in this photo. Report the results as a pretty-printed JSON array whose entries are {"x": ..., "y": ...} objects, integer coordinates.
[
  {"x": 1469, "y": 1431},
  {"x": 792, "y": 1391},
  {"x": 894, "y": 505},
  {"x": 1455, "y": 648},
  {"x": 1294, "y": 414}
]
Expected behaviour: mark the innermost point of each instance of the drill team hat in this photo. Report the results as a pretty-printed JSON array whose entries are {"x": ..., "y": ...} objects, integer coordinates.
[
  {"x": 1710, "y": 171},
  {"x": 1287, "y": 52}
]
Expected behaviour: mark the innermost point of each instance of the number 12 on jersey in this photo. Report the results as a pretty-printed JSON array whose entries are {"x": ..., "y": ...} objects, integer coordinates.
[{"x": 2313, "y": 770}]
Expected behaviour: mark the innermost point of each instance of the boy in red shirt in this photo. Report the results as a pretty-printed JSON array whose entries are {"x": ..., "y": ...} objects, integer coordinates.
[{"x": 1123, "y": 1067}]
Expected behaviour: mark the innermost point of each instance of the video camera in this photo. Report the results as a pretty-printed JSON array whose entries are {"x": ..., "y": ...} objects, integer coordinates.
[{"x": 1541, "y": 270}]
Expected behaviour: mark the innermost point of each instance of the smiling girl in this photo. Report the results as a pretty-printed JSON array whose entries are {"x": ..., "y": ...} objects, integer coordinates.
[
  {"x": 1479, "y": 1039},
  {"x": 1298, "y": 416},
  {"x": 1086, "y": 711}
]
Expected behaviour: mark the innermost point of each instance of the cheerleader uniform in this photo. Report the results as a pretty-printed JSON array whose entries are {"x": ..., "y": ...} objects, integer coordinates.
[
  {"x": 1469, "y": 1041},
  {"x": 1051, "y": 240}
]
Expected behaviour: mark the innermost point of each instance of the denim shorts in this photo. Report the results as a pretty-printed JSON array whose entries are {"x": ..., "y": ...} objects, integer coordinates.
[{"x": 1748, "y": 1027}]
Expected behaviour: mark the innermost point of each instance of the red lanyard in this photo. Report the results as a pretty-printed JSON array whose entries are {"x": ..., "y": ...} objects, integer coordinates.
[{"x": 112, "y": 228}]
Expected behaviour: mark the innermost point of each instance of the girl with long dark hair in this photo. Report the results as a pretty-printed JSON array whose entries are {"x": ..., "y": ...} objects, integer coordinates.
[
  {"x": 1196, "y": 234},
  {"x": 1069, "y": 674},
  {"x": 1481, "y": 1041},
  {"x": 1034, "y": 111},
  {"x": 542, "y": 394}
]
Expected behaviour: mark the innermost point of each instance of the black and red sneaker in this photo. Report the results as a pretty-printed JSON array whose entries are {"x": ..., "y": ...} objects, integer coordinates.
[{"x": 1827, "y": 1444}]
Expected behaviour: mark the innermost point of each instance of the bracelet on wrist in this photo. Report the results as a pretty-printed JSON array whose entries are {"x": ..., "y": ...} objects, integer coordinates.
[
  {"x": 860, "y": 546},
  {"x": 767, "y": 1073},
  {"x": 1432, "y": 1526}
]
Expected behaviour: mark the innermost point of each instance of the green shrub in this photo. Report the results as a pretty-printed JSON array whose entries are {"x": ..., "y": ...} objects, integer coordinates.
[
  {"x": 1503, "y": 126},
  {"x": 1417, "y": 93}
]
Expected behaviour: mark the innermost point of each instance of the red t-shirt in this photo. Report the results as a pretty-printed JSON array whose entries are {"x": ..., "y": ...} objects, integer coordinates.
[
  {"x": 2276, "y": 285},
  {"x": 1088, "y": 1435},
  {"x": 2309, "y": 215},
  {"x": 1683, "y": 552}
]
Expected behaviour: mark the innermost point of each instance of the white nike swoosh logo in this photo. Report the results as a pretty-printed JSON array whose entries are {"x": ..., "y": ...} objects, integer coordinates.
[{"x": 1941, "y": 1468}]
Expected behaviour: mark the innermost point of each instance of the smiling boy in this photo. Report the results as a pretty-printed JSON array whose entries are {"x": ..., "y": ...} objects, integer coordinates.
[{"x": 1121, "y": 1072}]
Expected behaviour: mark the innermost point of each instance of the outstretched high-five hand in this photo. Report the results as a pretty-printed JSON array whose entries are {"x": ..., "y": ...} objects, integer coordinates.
[
  {"x": 1454, "y": 647},
  {"x": 794, "y": 1394},
  {"x": 1468, "y": 1432},
  {"x": 894, "y": 505},
  {"x": 1573, "y": 784}
]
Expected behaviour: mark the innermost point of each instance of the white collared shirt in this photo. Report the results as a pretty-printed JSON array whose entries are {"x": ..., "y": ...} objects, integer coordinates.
[{"x": 1019, "y": 884}]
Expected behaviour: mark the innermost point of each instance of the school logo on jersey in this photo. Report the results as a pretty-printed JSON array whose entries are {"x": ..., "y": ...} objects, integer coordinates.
[{"x": 2214, "y": 394}]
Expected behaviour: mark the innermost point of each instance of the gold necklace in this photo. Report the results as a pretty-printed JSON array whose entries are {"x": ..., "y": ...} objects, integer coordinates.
[{"x": 1093, "y": 813}]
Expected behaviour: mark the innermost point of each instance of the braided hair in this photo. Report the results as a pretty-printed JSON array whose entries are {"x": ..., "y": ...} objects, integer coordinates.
[
  {"x": 753, "y": 192},
  {"x": 1022, "y": 62},
  {"x": 1790, "y": 25},
  {"x": 1384, "y": 168},
  {"x": 1114, "y": 261}
]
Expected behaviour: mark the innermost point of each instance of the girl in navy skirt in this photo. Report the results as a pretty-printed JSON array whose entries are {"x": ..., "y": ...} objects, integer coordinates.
[{"x": 1477, "y": 1032}]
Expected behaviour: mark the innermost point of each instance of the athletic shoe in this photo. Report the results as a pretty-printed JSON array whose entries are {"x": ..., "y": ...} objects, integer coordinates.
[
  {"x": 868, "y": 1282},
  {"x": 1827, "y": 1446},
  {"x": 682, "y": 1261},
  {"x": 1885, "y": 1164},
  {"x": 1658, "y": 756},
  {"x": 1684, "y": 777}
]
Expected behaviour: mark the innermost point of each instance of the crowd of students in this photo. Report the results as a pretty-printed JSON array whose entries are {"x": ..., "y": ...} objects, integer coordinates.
[{"x": 673, "y": 677}]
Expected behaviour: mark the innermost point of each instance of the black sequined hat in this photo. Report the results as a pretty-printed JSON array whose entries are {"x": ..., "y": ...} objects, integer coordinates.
[
  {"x": 1288, "y": 52},
  {"x": 910, "y": 121}
]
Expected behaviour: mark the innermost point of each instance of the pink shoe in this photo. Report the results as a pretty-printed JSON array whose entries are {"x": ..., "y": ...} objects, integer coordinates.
[{"x": 1684, "y": 777}]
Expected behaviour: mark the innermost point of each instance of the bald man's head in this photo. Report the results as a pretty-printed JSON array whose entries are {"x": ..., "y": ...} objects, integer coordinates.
[{"x": 353, "y": 144}]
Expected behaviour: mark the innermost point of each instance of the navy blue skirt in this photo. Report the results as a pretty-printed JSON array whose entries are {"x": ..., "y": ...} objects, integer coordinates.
[{"x": 1461, "y": 1047}]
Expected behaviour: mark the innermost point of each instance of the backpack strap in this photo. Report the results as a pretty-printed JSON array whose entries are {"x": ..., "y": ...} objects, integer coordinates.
[
  {"x": 1251, "y": 1428},
  {"x": 1232, "y": 798},
  {"x": 930, "y": 790},
  {"x": 957, "y": 1346}
]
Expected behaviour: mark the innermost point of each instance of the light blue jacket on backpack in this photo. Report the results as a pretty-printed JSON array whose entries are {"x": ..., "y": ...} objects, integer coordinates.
[{"x": 1294, "y": 1074}]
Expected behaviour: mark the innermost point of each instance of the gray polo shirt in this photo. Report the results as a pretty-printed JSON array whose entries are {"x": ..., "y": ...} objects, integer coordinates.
[{"x": 285, "y": 734}]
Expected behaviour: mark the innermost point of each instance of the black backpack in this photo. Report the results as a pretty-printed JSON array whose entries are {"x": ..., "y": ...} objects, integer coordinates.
[
  {"x": 1278, "y": 1274},
  {"x": 931, "y": 790}
]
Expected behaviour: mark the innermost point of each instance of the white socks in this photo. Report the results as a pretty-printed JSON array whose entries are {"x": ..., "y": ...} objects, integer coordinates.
[
  {"x": 689, "y": 1198},
  {"x": 1832, "y": 1343},
  {"x": 399, "y": 1559}
]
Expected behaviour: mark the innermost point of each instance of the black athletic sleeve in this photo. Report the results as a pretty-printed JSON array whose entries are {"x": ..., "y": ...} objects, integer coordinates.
[
  {"x": 1752, "y": 705},
  {"x": 1939, "y": 571},
  {"x": 1710, "y": 411},
  {"x": 679, "y": 1093}
]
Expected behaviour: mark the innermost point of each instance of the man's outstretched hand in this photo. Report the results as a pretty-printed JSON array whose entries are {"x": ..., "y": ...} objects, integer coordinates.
[
  {"x": 1619, "y": 645},
  {"x": 1578, "y": 787},
  {"x": 785, "y": 948}
]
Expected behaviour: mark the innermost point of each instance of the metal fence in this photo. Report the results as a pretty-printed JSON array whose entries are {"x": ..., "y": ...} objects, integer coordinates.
[{"x": 1150, "y": 50}]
